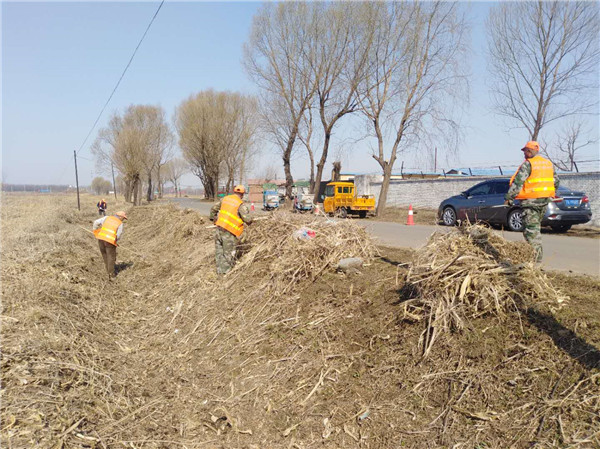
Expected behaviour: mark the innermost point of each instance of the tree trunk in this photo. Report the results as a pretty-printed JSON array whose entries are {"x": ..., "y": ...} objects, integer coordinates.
[
  {"x": 385, "y": 185},
  {"x": 127, "y": 193},
  {"x": 321, "y": 165},
  {"x": 215, "y": 194},
  {"x": 160, "y": 183},
  {"x": 311, "y": 180},
  {"x": 287, "y": 155},
  {"x": 139, "y": 194},
  {"x": 135, "y": 189},
  {"x": 318, "y": 178},
  {"x": 149, "y": 191}
]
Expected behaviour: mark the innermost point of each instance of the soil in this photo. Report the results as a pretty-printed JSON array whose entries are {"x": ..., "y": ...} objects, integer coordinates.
[{"x": 170, "y": 355}]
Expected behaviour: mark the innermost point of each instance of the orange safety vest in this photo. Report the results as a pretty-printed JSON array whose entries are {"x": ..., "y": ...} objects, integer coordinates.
[
  {"x": 540, "y": 183},
  {"x": 229, "y": 218},
  {"x": 108, "y": 231}
]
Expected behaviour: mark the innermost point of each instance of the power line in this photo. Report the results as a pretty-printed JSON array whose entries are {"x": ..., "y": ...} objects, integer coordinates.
[
  {"x": 122, "y": 75},
  {"x": 118, "y": 82}
]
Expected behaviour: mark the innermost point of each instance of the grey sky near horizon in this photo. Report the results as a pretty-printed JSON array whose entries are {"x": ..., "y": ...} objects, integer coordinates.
[{"x": 60, "y": 61}]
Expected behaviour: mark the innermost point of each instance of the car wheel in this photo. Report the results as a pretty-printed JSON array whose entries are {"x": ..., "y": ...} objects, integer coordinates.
[
  {"x": 449, "y": 216},
  {"x": 362, "y": 214},
  {"x": 343, "y": 213},
  {"x": 514, "y": 221},
  {"x": 561, "y": 228}
]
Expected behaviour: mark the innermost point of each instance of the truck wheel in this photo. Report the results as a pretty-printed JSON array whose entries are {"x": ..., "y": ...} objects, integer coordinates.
[
  {"x": 362, "y": 214},
  {"x": 342, "y": 212}
]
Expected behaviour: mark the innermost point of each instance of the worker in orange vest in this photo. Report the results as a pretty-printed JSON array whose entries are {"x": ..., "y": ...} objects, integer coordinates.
[
  {"x": 229, "y": 215},
  {"x": 108, "y": 231},
  {"x": 534, "y": 184},
  {"x": 101, "y": 205}
]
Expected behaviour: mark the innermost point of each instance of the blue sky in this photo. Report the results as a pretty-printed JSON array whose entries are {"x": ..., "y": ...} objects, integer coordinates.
[{"x": 60, "y": 61}]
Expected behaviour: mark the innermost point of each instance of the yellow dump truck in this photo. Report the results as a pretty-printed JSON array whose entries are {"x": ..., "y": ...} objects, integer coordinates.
[{"x": 340, "y": 198}]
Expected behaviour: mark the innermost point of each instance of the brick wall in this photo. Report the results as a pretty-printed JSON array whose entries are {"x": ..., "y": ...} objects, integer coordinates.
[{"x": 431, "y": 192}]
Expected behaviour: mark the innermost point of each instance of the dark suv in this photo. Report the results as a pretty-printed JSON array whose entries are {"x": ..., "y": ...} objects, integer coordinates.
[{"x": 477, "y": 204}]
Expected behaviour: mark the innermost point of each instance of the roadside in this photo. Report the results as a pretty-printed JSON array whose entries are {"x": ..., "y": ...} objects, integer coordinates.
[
  {"x": 170, "y": 354},
  {"x": 425, "y": 216},
  {"x": 561, "y": 253}
]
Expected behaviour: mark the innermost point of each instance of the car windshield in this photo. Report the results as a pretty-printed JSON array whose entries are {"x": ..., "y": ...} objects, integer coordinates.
[{"x": 329, "y": 190}]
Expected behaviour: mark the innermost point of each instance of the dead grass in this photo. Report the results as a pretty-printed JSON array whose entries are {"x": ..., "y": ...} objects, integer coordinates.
[
  {"x": 421, "y": 215},
  {"x": 171, "y": 355},
  {"x": 468, "y": 273}
]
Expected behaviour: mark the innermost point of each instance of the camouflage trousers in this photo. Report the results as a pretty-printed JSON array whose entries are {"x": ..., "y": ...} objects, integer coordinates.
[
  {"x": 226, "y": 246},
  {"x": 532, "y": 221}
]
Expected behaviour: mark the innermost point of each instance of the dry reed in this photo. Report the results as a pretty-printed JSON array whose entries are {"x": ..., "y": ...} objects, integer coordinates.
[{"x": 468, "y": 273}]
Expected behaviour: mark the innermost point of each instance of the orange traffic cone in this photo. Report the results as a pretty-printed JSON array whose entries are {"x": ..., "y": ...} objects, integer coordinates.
[
  {"x": 316, "y": 209},
  {"x": 252, "y": 207},
  {"x": 410, "y": 221}
]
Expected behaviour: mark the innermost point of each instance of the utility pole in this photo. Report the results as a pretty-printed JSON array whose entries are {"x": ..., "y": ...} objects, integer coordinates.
[
  {"x": 112, "y": 167},
  {"x": 76, "y": 180}
]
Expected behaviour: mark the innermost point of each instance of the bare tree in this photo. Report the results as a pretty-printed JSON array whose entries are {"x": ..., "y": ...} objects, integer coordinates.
[
  {"x": 414, "y": 78},
  {"x": 241, "y": 130},
  {"x": 269, "y": 173},
  {"x": 278, "y": 58},
  {"x": 568, "y": 142},
  {"x": 127, "y": 142},
  {"x": 543, "y": 57},
  {"x": 305, "y": 135},
  {"x": 160, "y": 147},
  {"x": 100, "y": 186},
  {"x": 342, "y": 48},
  {"x": 216, "y": 131},
  {"x": 174, "y": 170}
]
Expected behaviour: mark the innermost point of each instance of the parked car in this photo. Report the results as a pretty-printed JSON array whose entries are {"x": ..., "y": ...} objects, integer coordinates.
[{"x": 477, "y": 204}]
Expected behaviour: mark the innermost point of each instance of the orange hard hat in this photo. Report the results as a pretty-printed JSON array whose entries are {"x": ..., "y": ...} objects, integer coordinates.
[
  {"x": 122, "y": 215},
  {"x": 239, "y": 189},
  {"x": 103, "y": 200},
  {"x": 532, "y": 145}
]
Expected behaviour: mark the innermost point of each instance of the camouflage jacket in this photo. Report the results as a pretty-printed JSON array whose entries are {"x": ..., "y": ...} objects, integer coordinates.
[
  {"x": 243, "y": 212},
  {"x": 522, "y": 174}
]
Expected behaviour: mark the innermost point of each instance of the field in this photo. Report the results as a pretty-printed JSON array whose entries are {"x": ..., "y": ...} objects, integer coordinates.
[{"x": 284, "y": 352}]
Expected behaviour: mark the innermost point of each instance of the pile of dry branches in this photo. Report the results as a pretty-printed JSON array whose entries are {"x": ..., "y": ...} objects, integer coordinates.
[
  {"x": 468, "y": 273},
  {"x": 284, "y": 257}
]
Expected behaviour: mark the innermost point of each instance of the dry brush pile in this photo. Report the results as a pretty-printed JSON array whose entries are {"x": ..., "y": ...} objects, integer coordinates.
[
  {"x": 471, "y": 272},
  {"x": 281, "y": 352}
]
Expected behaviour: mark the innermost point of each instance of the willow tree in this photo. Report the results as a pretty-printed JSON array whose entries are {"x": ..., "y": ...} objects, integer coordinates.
[
  {"x": 133, "y": 142},
  {"x": 216, "y": 130}
]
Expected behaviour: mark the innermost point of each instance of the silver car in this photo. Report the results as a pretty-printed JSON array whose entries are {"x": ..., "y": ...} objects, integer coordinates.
[{"x": 483, "y": 202}]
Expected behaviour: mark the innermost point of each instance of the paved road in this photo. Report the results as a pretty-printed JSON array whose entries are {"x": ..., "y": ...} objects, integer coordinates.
[{"x": 576, "y": 254}]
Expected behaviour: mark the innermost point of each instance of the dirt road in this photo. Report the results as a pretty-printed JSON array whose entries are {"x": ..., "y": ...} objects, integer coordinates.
[{"x": 573, "y": 254}]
